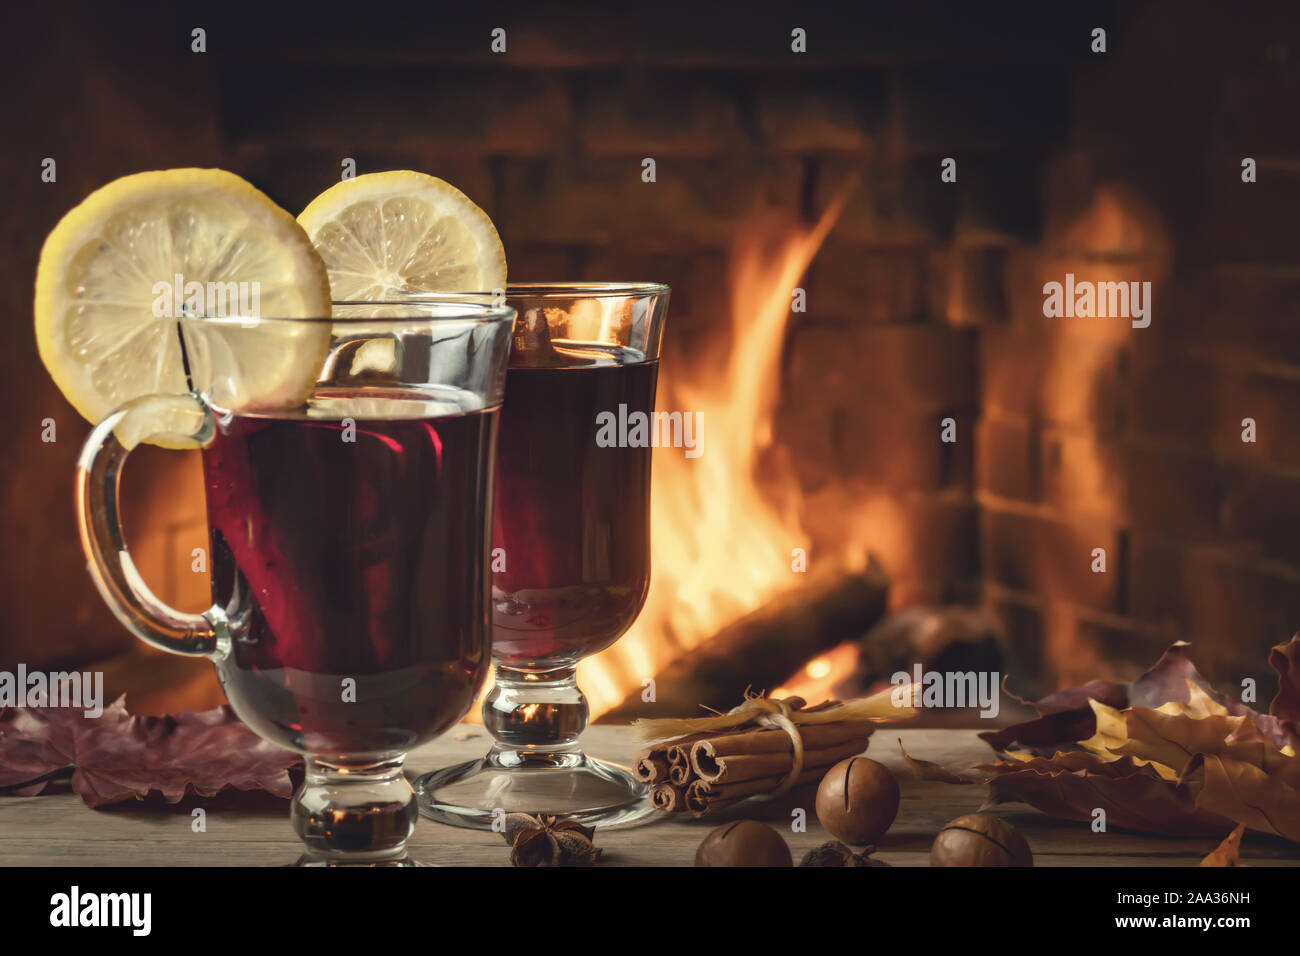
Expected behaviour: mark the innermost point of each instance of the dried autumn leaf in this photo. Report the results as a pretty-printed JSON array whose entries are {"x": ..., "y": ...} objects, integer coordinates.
[
  {"x": 1171, "y": 768},
  {"x": 1241, "y": 779},
  {"x": 1248, "y": 743},
  {"x": 1073, "y": 785},
  {"x": 928, "y": 770},
  {"x": 1177, "y": 758},
  {"x": 1285, "y": 659},
  {"x": 1168, "y": 680},
  {"x": 34, "y": 745},
  {"x": 1166, "y": 739},
  {"x": 1245, "y": 793},
  {"x": 1198, "y": 704},
  {"x": 117, "y": 757},
  {"x": 1066, "y": 716},
  {"x": 1227, "y": 853}
]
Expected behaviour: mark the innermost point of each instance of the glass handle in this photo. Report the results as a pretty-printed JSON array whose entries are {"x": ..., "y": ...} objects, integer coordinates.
[{"x": 180, "y": 419}]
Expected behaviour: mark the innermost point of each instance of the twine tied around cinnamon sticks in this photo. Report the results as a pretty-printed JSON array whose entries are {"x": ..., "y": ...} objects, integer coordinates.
[
  {"x": 763, "y": 747},
  {"x": 768, "y": 712}
]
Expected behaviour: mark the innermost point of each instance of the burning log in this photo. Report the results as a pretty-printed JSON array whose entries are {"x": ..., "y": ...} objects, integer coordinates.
[
  {"x": 763, "y": 648},
  {"x": 938, "y": 639}
]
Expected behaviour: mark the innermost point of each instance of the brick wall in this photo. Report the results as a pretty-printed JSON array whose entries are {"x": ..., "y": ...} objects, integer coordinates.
[
  {"x": 1095, "y": 434},
  {"x": 925, "y": 302}
]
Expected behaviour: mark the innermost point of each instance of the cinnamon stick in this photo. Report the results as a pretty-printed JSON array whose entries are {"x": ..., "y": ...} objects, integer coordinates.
[
  {"x": 681, "y": 750},
  {"x": 737, "y": 768},
  {"x": 680, "y": 771},
  {"x": 766, "y": 741},
  {"x": 668, "y": 797},
  {"x": 700, "y": 805},
  {"x": 650, "y": 766},
  {"x": 703, "y": 797}
]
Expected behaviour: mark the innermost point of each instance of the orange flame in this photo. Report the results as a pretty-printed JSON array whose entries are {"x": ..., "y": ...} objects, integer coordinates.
[
  {"x": 817, "y": 679},
  {"x": 721, "y": 547}
]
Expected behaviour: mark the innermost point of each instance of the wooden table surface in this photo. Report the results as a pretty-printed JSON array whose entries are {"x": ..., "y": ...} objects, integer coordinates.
[{"x": 59, "y": 830}]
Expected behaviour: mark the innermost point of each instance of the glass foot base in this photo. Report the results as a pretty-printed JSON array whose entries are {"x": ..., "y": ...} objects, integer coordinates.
[
  {"x": 308, "y": 860},
  {"x": 572, "y": 785}
]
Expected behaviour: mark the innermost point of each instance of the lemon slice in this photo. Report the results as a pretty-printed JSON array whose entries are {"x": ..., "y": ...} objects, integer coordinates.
[
  {"x": 403, "y": 231},
  {"x": 108, "y": 332}
]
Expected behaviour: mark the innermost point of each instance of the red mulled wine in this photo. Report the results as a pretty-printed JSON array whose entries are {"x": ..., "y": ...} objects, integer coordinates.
[
  {"x": 571, "y": 515},
  {"x": 349, "y": 556}
]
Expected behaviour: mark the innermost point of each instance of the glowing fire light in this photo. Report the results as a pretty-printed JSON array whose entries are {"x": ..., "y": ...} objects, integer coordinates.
[
  {"x": 816, "y": 682},
  {"x": 721, "y": 547},
  {"x": 818, "y": 667}
]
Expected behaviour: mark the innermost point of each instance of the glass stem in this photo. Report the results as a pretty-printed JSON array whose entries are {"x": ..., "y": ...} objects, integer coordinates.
[
  {"x": 535, "y": 717},
  {"x": 355, "y": 814}
]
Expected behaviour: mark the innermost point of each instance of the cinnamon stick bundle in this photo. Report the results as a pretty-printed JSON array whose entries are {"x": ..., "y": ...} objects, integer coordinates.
[{"x": 704, "y": 771}]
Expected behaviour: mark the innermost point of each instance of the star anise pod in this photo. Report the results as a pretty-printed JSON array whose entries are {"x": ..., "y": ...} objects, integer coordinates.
[
  {"x": 834, "y": 853},
  {"x": 549, "y": 841}
]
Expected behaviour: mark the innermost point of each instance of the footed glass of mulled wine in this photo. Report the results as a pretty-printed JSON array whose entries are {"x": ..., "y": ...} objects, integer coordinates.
[
  {"x": 571, "y": 551},
  {"x": 349, "y": 538}
]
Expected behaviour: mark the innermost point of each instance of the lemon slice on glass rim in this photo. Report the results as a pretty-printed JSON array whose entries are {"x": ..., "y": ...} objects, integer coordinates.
[
  {"x": 398, "y": 232},
  {"x": 107, "y": 313}
]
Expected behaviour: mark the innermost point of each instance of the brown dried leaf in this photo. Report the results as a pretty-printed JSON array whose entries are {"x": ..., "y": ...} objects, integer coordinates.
[
  {"x": 1285, "y": 659},
  {"x": 1176, "y": 757},
  {"x": 1074, "y": 698},
  {"x": 1161, "y": 772},
  {"x": 1245, "y": 793},
  {"x": 35, "y": 744},
  {"x": 1167, "y": 680},
  {"x": 1175, "y": 679},
  {"x": 1227, "y": 853},
  {"x": 1072, "y": 785},
  {"x": 926, "y": 770},
  {"x": 1167, "y": 739},
  {"x": 1066, "y": 716},
  {"x": 117, "y": 757}
]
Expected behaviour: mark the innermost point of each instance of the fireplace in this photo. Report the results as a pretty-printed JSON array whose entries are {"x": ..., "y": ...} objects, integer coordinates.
[{"x": 866, "y": 342}]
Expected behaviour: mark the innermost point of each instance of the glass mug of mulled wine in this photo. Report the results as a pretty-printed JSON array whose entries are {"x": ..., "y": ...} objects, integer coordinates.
[
  {"x": 571, "y": 551},
  {"x": 349, "y": 542}
]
